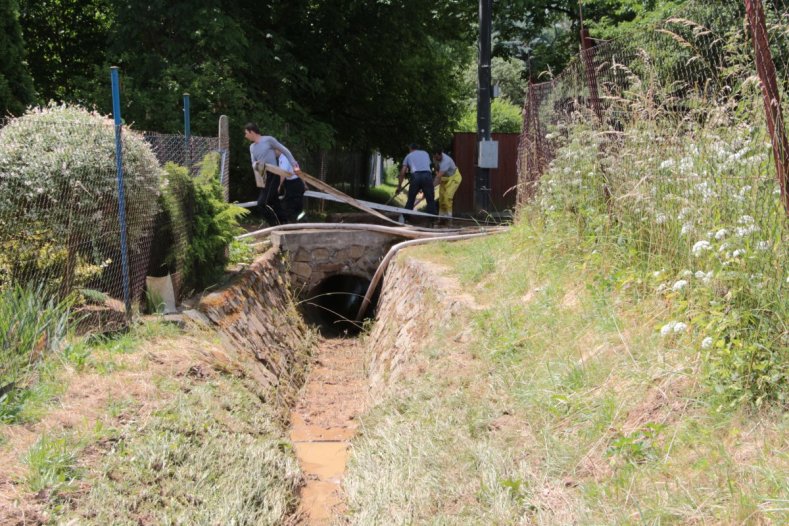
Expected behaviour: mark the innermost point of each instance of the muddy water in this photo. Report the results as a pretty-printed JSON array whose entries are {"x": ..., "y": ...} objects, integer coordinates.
[{"x": 323, "y": 423}]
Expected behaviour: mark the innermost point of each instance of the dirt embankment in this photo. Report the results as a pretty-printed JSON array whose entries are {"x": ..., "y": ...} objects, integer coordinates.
[{"x": 248, "y": 333}]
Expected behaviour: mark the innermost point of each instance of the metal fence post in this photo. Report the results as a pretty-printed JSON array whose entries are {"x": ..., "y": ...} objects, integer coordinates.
[
  {"x": 772, "y": 100},
  {"x": 587, "y": 52},
  {"x": 116, "y": 113},
  {"x": 223, "y": 139},
  {"x": 187, "y": 134}
]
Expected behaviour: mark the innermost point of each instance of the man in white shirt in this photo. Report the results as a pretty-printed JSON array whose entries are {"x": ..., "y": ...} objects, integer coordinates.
[
  {"x": 262, "y": 152},
  {"x": 293, "y": 199},
  {"x": 418, "y": 163}
]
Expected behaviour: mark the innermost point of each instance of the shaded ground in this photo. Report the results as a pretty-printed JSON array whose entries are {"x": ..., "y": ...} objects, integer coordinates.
[{"x": 324, "y": 421}]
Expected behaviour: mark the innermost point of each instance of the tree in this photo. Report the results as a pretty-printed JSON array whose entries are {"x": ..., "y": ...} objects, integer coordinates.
[
  {"x": 66, "y": 42},
  {"x": 395, "y": 82},
  {"x": 545, "y": 34},
  {"x": 16, "y": 86}
]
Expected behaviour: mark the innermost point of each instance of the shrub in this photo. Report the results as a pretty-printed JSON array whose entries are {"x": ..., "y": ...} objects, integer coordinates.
[
  {"x": 215, "y": 225},
  {"x": 505, "y": 117},
  {"x": 59, "y": 196},
  {"x": 170, "y": 246}
]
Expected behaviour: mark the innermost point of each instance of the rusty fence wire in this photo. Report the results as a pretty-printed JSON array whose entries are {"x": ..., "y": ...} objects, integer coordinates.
[{"x": 60, "y": 225}]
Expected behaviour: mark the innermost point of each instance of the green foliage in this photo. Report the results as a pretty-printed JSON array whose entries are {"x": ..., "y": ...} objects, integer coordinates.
[
  {"x": 508, "y": 73},
  {"x": 66, "y": 41},
  {"x": 31, "y": 329},
  {"x": 174, "y": 226},
  {"x": 301, "y": 69},
  {"x": 215, "y": 226},
  {"x": 16, "y": 85},
  {"x": 545, "y": 34},
  {"x": 505, "y": 117},
  {"x": 639, "y": 446},
  {"x": 240, "y": 252},
  {"x": 53, "y": 464},
  {"x": 59, "y": 197},
  {"x": 688, "y": 202}
]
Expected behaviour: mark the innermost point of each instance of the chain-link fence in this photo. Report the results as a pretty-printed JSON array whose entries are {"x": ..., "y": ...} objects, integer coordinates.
[
  {"x": 61, "y": 224},
  {"x": 668, "y": 130}
]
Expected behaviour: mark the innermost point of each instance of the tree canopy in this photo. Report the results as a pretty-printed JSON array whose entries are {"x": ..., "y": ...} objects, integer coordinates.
[
  {"x": 356, "y": 74},
  {"x": 545, "y": 34},
  {"x": 16, "y": 85}
]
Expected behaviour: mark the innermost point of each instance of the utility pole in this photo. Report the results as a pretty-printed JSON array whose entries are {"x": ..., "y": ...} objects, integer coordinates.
[{"x": 482, "y": 181}]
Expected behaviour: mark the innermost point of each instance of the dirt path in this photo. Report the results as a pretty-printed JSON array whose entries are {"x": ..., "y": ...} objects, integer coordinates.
[{"x": 323, "y": 422}]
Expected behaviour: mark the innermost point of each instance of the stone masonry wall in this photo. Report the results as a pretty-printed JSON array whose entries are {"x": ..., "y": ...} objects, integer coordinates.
[
  {"x": 314, "y": 255},
  {"x": 413, "y": 302},
  {"x": 255, "y": 316}
]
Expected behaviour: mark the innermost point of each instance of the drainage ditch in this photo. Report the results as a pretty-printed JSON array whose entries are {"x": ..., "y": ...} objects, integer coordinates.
[{"x": 328, "y": 272}]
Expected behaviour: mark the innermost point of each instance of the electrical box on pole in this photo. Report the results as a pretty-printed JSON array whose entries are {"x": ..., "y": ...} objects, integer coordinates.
[{"x": 488, "y": 154}]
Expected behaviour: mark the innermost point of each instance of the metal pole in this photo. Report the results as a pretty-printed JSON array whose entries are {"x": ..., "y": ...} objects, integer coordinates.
[
  {"x": 187, "y": 133},
  {"x": 224, "y": 148},
  {"x": 772, "y": 99},
  {"x": 116, "y": 113},
  {"x": 482, "y": 186},
  {"x": 587, "y": 53}
]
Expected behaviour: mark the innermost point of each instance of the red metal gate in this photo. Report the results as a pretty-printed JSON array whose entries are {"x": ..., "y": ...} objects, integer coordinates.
[{"x": 503, "y": 180}]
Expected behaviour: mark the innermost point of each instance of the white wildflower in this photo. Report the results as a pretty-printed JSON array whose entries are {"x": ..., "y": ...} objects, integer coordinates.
[
  {"x": 679, "y": 285},
  {"x": 686, "y": 273},
  {"x": 701, "y": 247},
  {"x": 763, "y": 245},
  {"x": 720, "y": 234},
  {"x": 687, "y": 228},
  {"x": 739, "y": 252},
  {"x": 706, "y": 343},
  {"x": 746, "y": 220},
  {"x": 661, "y": 218},
  {"x": 668, "y": 163},
  {"x": 680, "y": 327},
  {"x": 668, "y": 328}
]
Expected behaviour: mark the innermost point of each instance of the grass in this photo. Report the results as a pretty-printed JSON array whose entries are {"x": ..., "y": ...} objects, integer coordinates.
[
  {"x": 213, "y": 455},
  {"x": 204, "y": 449},
  {"x": 53, "y": 463},
  {"x": 574, "y": 409}
]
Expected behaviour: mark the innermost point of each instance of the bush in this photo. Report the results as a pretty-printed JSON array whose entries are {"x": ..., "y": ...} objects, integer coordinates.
[
  {"x": 505, "y": 117},
  {"x": 59, "y": 197},
  {"x": 214, "y": 225}
]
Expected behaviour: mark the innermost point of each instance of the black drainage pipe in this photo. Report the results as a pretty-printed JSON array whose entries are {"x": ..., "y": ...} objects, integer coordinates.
[{"x": 333, "y": 304}]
